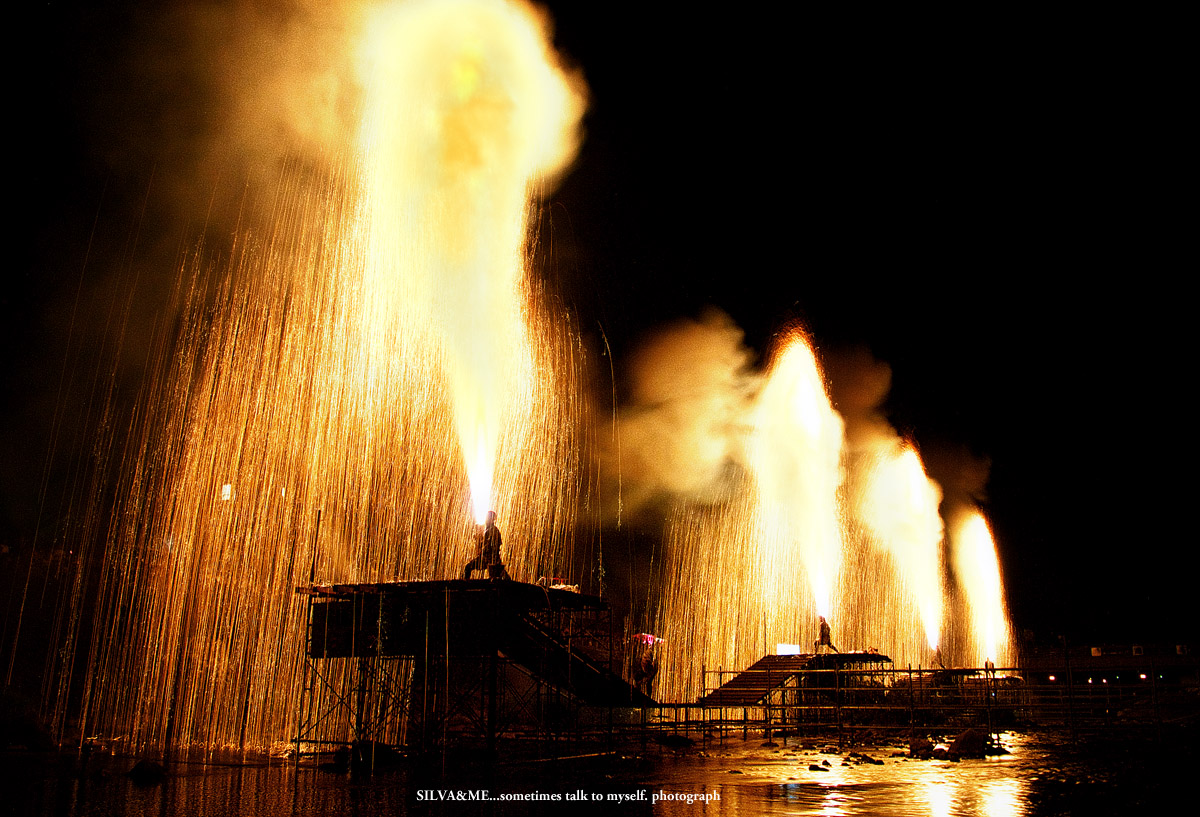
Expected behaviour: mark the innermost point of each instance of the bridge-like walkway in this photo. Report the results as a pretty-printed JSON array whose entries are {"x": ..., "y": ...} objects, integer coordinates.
[
  {"x": 755, "y": 684},
  {"x": 544, "y": 630}
]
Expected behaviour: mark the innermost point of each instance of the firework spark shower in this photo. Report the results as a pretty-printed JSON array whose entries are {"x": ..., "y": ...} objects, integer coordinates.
[
  {"x": 372, "y": 359},
  {"x": 378, "y": 360}
]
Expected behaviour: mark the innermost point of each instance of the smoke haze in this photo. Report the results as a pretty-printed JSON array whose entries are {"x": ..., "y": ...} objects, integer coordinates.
[{"x": 682, "y": 432}]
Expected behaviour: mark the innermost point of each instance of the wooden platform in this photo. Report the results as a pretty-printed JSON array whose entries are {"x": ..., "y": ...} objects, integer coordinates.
[
  {"x": 539, "y": 628},
  {"x": 755, "y": 684}
]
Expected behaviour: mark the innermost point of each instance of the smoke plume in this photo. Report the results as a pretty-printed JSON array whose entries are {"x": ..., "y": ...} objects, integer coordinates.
[{"x": 681, "y": 434}]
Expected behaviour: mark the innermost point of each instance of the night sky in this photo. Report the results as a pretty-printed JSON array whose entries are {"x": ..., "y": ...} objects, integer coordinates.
[{"x": 992, "y": 206}]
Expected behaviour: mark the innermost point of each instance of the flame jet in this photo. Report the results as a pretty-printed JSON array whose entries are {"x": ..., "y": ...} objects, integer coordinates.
[
  {"x": 468, "y": 112},
  {"x": 900, "y": 507},
  {"x": 758, "y": 568},
  {"x": 334, "y": 374},
  {"x": 796, "y": 454},
  {"x": 978, "y": 571}
]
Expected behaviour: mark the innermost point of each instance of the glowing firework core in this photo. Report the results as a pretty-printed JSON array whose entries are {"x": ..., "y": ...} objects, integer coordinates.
[
  {"x": 467, "y": 112},
  {"x": 979, "y": 573},
  {"x": 900, "y": 507},
  {"x": 797, "y": 449}
]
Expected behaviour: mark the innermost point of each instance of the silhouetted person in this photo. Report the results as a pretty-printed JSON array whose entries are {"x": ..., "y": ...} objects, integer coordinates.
[
  {"x": 487, "y": 551},
  {"x": 824, "y": 639},
  {"x": 645, "y": 662}
]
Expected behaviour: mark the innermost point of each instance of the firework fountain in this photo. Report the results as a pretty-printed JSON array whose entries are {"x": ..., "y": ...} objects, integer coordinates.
[
  {"x": 815, "y": 527},
  {"x": 377, "y": 369},
  {"x": 979, "y": 574}
]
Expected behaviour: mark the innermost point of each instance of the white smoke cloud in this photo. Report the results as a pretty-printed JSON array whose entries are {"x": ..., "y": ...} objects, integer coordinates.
[
  {"x": 219, "y": 97},
  {"x": 859, "y": 385},
  {"x": 682, "y": 434}
]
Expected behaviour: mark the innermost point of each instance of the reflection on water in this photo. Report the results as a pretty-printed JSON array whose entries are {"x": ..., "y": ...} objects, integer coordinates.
[
  {"x": 940, "y": 796},
  {"x": 1039, "y": 776},
  {"x": 785, "y": 781},
  {"x": 1004, "y": 797}
]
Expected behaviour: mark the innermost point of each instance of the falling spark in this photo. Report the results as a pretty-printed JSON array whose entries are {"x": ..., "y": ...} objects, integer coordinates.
[
  {"x": 760, "y": 568},
  {"x": 373, "y": 364},
  {"x": 808, "y": 529}
]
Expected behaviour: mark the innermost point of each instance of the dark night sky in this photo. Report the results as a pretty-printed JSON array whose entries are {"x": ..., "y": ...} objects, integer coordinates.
[{"x": 992, "y": 206}]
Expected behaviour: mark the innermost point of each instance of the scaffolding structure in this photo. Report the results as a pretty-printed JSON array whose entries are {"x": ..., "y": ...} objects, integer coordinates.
[
  {"x": 419, "y": 666},
  {"x": 413, "y": 666},
  {"x": 860, "y": 698}
]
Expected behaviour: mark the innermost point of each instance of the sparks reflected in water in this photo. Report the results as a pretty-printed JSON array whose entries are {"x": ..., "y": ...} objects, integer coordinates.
[
  {"x": 1003, "y": 798},
  {"x": 941, "y": 797}
]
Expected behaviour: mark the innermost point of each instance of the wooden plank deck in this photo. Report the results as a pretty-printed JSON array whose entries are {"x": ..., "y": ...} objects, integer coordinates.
[{"x": 753, "y": 685}]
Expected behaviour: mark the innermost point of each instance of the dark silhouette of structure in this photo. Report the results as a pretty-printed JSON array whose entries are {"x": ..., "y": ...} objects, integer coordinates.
[{"x": 416, "y": 665}]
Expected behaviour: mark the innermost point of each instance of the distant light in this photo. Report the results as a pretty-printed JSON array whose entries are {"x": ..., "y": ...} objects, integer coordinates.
[
  {"x": 1053, "y": 678},
  {"x": 787, "y": 649},
  {"x": 1143, "y": 676}
]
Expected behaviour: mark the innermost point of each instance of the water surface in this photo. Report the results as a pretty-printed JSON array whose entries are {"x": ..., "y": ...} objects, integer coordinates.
[{"x": 1040, "y": 775}]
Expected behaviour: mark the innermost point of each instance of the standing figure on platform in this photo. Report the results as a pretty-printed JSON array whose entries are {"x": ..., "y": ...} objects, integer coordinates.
[
  {"x": 824, "y": 639},
  {"x": 487, "y": 551}
]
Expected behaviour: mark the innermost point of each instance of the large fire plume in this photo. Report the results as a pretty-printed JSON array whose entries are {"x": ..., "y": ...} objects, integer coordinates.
[
  {"x": 796, "y": 457},
  {"x": 375, "y": 367},
  {"x": 978, "y": 571},
  {"x": 759, "y": 567},
  {"x": 467, "y": 113},
  {"x": 819, "y": 522},
  {"x": 900, "y": 507}
]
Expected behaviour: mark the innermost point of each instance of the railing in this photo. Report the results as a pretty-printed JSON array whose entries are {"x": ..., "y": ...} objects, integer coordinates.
[
  {"x": 852, "y": 705},
  {"x": 848, "y": 705}
]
